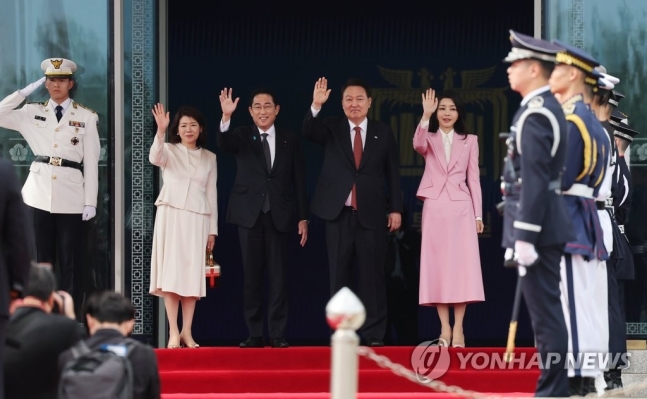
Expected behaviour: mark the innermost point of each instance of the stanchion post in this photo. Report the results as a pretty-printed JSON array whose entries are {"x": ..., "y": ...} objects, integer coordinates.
[{"x": 345, "y": 313}]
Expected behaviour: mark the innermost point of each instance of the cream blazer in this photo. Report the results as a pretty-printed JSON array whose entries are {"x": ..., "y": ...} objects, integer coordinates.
[
  {"x": 57, "y": 189},
  {"x": 184, "y": 188}
]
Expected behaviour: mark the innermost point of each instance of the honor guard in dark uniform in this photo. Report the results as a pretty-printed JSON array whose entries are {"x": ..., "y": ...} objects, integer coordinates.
[
  {"x": 536, "y": 221},
  {"x": 604, "y": 108},
  {"x": 62, "y": 185},
  {"x": 623, "y": 262},
  {"x": 583, "y": 278}
]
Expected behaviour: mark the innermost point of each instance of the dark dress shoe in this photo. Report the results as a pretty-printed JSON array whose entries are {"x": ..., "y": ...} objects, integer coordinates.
[
  {"x": 279, "y": 343},
  {"x": 374, "y": 342},
  {"x": 253, "y": 342},
  {"x": 588, "y": 385},
  {"x": 578, "y": 386},
  {"x": 613, "y": 378}
]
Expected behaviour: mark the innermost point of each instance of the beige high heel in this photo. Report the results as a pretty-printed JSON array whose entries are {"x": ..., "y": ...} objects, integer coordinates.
[
  {"x": 193, "y": 345},
  {"x": 445, "y": 340},
  {"x": 186, "y": 344},
  {"x": 172, "y": 346},
  {"x": 458, "y": 343}
]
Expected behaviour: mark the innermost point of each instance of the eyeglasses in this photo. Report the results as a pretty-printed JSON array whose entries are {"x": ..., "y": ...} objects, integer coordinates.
[{"x": 266, "y": 107}]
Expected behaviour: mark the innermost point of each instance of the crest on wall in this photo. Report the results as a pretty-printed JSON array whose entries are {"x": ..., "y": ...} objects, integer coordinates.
[{"x": 486, "y": 109}]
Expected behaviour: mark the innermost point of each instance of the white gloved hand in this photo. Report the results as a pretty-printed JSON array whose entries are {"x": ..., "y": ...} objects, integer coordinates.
[
  {"x": 525, "y": 252},
  {"x": 31, "y": 87},
  {"x": 88, "y": 212}
]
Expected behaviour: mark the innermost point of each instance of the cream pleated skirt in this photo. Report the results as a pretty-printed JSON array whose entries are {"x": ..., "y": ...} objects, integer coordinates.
[{"x": 178, "y": 258}]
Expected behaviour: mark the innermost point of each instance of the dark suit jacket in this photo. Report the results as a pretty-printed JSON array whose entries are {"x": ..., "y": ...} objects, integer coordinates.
[
  {"x": 379, "y": 165},
  {"x": 34, "y": 342},
  {"x": 14, "y": 236},
  {"x": 285, "y": 183},
  {"x": 146, "y": 381}
]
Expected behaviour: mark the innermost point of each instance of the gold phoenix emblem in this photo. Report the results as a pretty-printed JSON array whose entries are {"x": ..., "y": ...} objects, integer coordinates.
[{"x": 56, "y": 63}]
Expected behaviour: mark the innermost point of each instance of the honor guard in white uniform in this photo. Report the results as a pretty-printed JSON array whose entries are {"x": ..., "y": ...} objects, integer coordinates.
[
  {"x": 573, "y": 81},
  {"x": 62, "y": 184},
  {"x": 536, "y": 222}
]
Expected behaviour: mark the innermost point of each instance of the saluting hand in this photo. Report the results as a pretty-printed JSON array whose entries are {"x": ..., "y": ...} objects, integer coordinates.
[
  {"x": 429, "y": 103},
  {"x": 320, "y": 93},
  {"x": 30, "y": 88},
  {"x": 226, "y": 104},
  {"x": 162, "y": 119}
]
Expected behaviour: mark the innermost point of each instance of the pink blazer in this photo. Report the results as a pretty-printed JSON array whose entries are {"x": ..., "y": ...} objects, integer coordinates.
[{"x": 461, "y": 177}]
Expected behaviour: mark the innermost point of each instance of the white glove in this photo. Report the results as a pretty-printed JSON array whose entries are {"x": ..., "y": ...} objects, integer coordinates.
[
  {"x": 525, "y": 252},
  {"x": 31, "y": 87},
  {"x": 88, "y": 212},
  {"x": 509, "y": 253}
]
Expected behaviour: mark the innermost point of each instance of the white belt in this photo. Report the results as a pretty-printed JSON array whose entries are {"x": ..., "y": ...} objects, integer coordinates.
[{"x": 579, "y": 190}]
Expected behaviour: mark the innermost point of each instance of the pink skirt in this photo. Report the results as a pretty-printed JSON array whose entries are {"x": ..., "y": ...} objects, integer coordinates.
[{"x": 450, "y": 265}]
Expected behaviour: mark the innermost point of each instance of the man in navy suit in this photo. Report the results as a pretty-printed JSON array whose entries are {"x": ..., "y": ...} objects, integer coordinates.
[
  {"x": 268, "y": 201},
  {"x": 536, "y": 223},
  {"x": 361, "y": 156},
  {"x": 14, "y": 249}
]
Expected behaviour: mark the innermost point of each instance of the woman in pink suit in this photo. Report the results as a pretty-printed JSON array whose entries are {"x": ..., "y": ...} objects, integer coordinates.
[{"x": 450, "y": 266}]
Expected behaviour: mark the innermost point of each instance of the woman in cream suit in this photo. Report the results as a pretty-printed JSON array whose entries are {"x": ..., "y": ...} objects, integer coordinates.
[
  {"x": 187, "y": 217},
  {"x": 450, "y": 267}
]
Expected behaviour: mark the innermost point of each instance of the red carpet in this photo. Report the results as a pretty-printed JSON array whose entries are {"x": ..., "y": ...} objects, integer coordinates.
[{"x": 304, "y": 372}]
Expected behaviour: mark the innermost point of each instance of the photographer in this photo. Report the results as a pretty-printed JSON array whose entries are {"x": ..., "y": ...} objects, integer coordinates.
[{"x": 42, "y": 326}]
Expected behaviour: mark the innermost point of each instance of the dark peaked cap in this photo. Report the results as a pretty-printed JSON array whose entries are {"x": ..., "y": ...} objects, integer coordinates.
[
  {"x": 623, "y": 131},
  {"x": 615, "y": 98},
  {"x": 576, "y": 57},
  {"x": 527, "y": 47},
  {"x": 618, "y": 116}
]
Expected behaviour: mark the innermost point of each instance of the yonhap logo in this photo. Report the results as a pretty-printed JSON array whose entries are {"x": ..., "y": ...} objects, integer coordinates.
[{"x": 430, "y": 361}]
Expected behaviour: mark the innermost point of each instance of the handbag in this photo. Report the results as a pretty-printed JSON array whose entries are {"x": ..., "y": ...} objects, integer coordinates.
[{"x": 212, "y": 269}]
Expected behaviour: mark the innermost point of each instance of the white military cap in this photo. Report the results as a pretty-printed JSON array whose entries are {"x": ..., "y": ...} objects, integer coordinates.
[{"x": 58, "y": 67}]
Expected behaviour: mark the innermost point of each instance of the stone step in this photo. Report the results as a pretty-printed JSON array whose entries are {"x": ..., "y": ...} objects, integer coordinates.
[{"x": 636, "y": 372}]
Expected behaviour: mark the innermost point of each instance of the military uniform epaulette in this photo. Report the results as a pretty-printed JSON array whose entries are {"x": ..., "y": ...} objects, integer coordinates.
[
  {"x": 536, "y": 102},
  {"x": 569, "y": 105},
  {"x": 75, "y": 105}
]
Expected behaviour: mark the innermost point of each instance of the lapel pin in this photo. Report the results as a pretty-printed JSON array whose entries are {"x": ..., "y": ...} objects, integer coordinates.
[
  {"x": 254, "y": 137},
  {"x": 375, "y": 137}
]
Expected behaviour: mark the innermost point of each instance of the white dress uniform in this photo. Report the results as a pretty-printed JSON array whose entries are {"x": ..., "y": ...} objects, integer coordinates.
[
  {"x": 63, "y": 179},
  {"x": 51, "y": 188}
]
